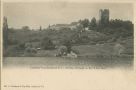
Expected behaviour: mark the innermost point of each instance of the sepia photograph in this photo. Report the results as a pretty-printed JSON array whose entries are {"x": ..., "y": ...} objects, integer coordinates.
[{"x": 69, "y": 35}]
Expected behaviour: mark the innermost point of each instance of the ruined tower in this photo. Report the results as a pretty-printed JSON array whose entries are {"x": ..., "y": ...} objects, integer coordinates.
[{"x": 104, "y": 16}]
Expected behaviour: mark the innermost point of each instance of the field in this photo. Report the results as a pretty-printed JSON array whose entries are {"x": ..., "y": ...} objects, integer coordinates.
[
  {"x": 93, "y": 49},
  {"x": 95, "y": 43},
  {"x": 89, "y": 56}
]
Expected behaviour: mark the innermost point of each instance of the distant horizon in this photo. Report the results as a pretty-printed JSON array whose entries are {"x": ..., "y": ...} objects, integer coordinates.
[
  {"x": 35, "y": 15},
  {"x": 52, "y": 24}
]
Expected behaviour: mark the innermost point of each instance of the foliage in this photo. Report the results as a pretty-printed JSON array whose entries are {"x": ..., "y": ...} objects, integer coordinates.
[
  {"x": 34, "y": 40},
  {"x": 84, "y": 23},
  {"x": 25, "y": 28},
  {"x": 12, "y": 42},
  {"x": 111, "y": 32},
  {"x": 21, "y": 46},
  {"x": 120, "y": 23},
  {"x": 83, "y": 39},
  {"x": 5, "y": 33},
  {"x": 47, "y": 43},
  {"x": 117, "y": 28},
  {"x": 68, "y": 44},
  {"x": 93, "y": 24}
]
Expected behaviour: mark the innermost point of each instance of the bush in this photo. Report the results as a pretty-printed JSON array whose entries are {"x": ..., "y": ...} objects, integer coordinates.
[
  {"x": 34, "y": 40},
  {"x": 12, "y": 42},
  {"x": 68, "y": 44},
  {"x": 47, "y": 44},
  {"x": 83, "y": 40},
  {"x": 20, "y": 46}
]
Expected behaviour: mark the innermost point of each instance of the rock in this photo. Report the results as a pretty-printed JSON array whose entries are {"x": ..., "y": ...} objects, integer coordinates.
[
  {"x": 118, "y": 49},
  {"x": 72, "y": 55}
]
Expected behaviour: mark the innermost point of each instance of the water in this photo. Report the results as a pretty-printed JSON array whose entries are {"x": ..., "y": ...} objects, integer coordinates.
[{"x": 63, "y": 62}]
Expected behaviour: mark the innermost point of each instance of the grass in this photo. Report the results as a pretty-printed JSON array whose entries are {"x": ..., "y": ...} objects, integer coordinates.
[
  {"x": 83, "y": 50},
  {"x": 89, "y": 56}
]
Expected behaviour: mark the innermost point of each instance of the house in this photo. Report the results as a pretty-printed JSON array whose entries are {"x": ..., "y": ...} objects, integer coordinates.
[{"x": 71, "y": 26}]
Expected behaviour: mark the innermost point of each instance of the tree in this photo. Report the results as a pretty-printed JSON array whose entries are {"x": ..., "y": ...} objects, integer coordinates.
[
  {"x": 84, "y": 23},
  {"x": 80, "y": 30},
  {"x": 25, "y": 28},
  {"x": 40, "y": 28},
  {"x": 47, "y": 43},
  {"x": 93, "y": 24},
  {"x": 118, "y": 28},
  {"x": 5, "y": 33},
  {"x": 68, "y": 44}
]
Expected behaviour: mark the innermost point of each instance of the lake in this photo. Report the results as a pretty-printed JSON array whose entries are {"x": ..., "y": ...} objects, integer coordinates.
[{"x": 69, "y": 63}]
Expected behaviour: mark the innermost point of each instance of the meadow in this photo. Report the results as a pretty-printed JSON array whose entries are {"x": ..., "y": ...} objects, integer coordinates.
[{"x": 95, "y": 52}]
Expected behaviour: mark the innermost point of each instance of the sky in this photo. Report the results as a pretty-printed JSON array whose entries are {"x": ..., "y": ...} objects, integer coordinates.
[{"x": 38, "y": 14}]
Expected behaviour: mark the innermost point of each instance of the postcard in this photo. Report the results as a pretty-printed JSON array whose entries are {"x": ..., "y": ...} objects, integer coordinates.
[{"x": 68, "y": 45}]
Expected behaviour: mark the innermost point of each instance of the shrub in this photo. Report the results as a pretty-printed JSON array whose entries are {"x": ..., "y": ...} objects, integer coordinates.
[
  {"x": 12, "y": 42},
  {"x": 47, "y": 43},
  {"x": 20, "y": 46},
  {"x": 68, "y": 44}
]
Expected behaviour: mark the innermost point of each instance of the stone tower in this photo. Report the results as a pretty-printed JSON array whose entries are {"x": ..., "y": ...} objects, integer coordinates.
[{"x": 104, "y": 16}]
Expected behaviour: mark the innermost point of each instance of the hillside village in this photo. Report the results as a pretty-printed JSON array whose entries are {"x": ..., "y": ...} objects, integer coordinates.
[{"x": 84, "y": 38}]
